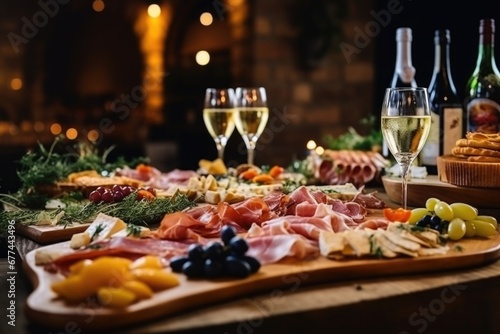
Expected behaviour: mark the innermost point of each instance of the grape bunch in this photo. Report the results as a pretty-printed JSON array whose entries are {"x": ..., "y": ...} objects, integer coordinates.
[
  {"x": 117, "y": 193},
  {"x": 456, "y": 220},
  {"x": 215, "y": 259}
]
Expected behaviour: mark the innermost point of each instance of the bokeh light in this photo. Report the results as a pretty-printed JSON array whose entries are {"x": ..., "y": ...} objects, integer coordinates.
[
  {"x": 55, "y": 129},
  {"x": 311, "y": 145},
  {"x": 154, "y": 10},
  {"x": 202, "y": 57},
  {"x": 98, "y": 5},
  {"x": 93, "y": 135},
  {"x": 16, "y": 84},
  {"x": 206, "y": 19},
  {"x": 71, "y": 133}
]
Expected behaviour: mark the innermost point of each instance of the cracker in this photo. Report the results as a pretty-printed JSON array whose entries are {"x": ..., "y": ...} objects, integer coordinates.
[
  {"x": 494, "y": 137},
  {"x": 459, "y": 150},
  {"x": 479, "y": 158},
  {"x": 478, "y": 144}
]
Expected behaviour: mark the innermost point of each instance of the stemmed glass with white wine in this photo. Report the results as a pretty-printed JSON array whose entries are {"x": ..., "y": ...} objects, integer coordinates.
[
  {"x": 406, "y": 122},
  {"x": 218, "y": 115},
  {"x": 251, "y": 116}
]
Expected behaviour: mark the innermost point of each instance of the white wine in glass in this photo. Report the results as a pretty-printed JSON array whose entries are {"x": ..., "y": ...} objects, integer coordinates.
[
  {"x": 251, "y": 116},
  {"x": 218, "y": 115},
  {"x": 405, "y": 123}
]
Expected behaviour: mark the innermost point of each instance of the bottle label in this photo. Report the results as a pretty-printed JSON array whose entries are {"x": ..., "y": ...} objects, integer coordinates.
[
  {"x": 430, "y": 151},
  {"x": 406, "y": 73},
  {"x": 483, "y": 115},
  {"x": 442, "y": 137},
  {"x": 452, "y": 127}
]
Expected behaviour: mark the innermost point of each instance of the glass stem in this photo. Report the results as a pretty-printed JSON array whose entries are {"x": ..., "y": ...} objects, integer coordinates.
[
  {"x": 250, "y": 155},
  {"x": 405, "y": 167}
]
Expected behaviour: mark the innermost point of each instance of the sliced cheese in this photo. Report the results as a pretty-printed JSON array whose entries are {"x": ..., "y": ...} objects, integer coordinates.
[
  {"x": 79, "y": 240},
  {"x": 359, "y": 242},
  {"x": 46, "y": 256},
  {"x": 331, "y": 243},
  {"x": 103, "y": 227}
]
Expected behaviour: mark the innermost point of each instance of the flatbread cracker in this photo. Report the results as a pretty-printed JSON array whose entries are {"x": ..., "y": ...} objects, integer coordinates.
[
  {"x": 479, "y": 158},
  {"x": 468, "y": 151},
  {"x": 494, "y": 137},
  {"x": 478, "y": 144}
]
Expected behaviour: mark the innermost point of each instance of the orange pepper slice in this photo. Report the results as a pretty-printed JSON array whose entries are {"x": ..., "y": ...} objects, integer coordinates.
[
  {"x": 263, "y": 178},
  {"x": 249, "y": 174},
  {"x": 399, "y": 214},
  {"x": 142, "y": 168},
  {"x": 276, "y": 171}
]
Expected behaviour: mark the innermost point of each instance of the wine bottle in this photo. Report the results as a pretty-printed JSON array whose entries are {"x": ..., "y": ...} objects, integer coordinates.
[
  {"x": 446, "y": 108},
  {"x": 404, "y": 72},
  {"x": 482, "y": 101}
]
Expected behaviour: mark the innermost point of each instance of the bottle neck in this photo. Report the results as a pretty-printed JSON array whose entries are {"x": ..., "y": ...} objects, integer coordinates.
[
  {"x": 442, "y": 65},
  {"x": 486, "y": 54},
  {"x": 404, "y": 67}
]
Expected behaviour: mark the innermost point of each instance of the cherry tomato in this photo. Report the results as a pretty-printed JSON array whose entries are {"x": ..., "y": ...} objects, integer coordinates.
[{"x": 399, "y": 214}]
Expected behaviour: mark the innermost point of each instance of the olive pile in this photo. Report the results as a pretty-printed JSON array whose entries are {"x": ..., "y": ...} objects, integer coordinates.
[{"x": 215, "y": 259}]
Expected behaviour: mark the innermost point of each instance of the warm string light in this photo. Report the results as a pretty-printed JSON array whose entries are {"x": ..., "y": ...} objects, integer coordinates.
[
  {"x": 206, "y": 19},
  {"x": 202, "y": 57},
  {"x": 154, "y": 11},
  {"x": 98, "y": 5}
]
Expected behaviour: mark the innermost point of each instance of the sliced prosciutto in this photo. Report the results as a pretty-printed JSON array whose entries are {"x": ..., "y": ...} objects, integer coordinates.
[
  {"x": 172, "y": 178},
  {"x": 274, "y": 248},
  {"x": 121, "y": 246}
]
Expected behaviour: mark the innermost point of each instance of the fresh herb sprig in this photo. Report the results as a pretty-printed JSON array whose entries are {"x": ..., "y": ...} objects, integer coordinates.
[
  {"x": 47, "y": 166},
  {"x": 130, "y": 210},
  {"x": 352, "y": 140}
]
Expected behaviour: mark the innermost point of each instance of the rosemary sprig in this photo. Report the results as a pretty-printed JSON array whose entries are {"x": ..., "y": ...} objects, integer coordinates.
[
  {"x": 131, "y": 211},
  {"x": 47, "y": 166}
]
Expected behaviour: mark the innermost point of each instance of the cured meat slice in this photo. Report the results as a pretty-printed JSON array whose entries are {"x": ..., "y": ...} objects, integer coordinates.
[
  {"x": 172, "y": 178},
  {"x": 273, "y": 248},
  {"x": 350, "y": 166},
  {"x": 120, "y": 246}
]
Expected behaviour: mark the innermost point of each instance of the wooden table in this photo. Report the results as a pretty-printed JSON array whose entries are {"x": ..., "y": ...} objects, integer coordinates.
[{"x": 459, "y": 301}]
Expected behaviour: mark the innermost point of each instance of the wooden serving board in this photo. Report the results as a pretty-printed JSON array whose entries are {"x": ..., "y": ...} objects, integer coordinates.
[
  {"x": 419, "y": 190},
  {"x": 50, "y": 234},
  {"x": 44, "y": 309}
]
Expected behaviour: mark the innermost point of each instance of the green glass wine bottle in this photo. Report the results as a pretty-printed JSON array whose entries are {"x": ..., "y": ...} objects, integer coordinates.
[{"x": 482, "y": 101}]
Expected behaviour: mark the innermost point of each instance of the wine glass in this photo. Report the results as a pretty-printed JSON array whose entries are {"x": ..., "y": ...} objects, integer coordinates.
[
  {"x": 251, "y": 116},
  {"x": 218, "y": 111},
  {"x": 405, "y": 123}
]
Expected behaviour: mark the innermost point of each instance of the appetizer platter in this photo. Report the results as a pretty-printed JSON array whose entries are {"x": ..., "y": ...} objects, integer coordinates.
[
  {"x": 333, "y": 256},
  {"x": 150, "y": 244}
]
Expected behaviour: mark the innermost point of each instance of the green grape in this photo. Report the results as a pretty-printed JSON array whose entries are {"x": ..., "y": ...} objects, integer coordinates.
[
  {"x": 489, "y": 219},
  {"x": 431, "y": 203},
  {"x": 464, "y": 211},
  {"x": 470, "y": 229},
  {"x": 444, "y": 211},
  {"x": 417, "y": 214},
  {"x": 456, "y": 229},
  {"x": 483, "y": 229}
]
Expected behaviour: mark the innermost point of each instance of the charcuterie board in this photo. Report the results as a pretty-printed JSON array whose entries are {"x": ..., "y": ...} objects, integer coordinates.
[
  {"x": 419, "y": 190},
  {"x": 46, "y": 234},
  {"x": 45, "y": 310}
]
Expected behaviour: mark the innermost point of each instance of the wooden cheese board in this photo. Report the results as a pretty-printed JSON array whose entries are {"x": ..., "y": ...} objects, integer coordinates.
[
  {"x": 419, "y": 190},
  {"x": 45, "y": 234},
  {"x": 44, "y": 309}
]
